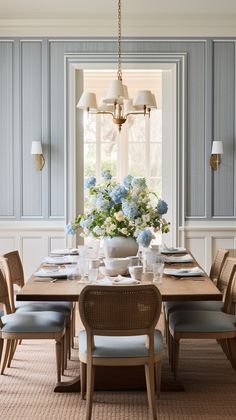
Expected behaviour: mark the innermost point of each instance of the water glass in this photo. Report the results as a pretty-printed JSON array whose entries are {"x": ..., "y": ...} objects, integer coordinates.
[
  {"x": 92, "y": 274},
  {"x": 158, "y": 268},
  {"x": 83, "y": 267}
]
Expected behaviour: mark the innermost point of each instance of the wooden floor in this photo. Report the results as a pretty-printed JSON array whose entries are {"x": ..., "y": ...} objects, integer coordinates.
[{"x": 206, "y": 388}]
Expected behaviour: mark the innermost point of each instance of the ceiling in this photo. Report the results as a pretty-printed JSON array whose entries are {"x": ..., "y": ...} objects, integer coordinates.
[
  {"x": 98, "y": 18},
  {"x": 61, "y": 9}
]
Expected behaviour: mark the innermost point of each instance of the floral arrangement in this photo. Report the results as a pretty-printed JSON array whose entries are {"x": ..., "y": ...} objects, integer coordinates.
[{"x": 121, "y": 209}]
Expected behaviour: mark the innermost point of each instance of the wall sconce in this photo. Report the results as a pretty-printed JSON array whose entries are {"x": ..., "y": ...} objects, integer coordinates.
[
  {"x": 216, "y": 151},
  {"x": 36, "y": 150}
]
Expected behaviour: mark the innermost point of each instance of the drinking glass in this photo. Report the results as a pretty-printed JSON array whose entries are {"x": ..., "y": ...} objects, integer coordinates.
[
  {"x": 83, "y": 267},
  {"x": 92, "y": 274},
  {"x": 158, "y": 268}
]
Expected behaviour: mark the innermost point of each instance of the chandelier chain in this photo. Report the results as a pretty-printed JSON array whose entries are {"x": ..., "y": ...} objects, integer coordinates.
[{"x": 119, "y": 70}]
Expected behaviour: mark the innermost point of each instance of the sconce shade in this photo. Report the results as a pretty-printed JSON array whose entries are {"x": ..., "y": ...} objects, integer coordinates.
[
  {"x": 87, "y": 100},
  {"x": 36, "y": 148},
  {"x": 145, "y": 97},
  {"x": 217, "y": 148}
]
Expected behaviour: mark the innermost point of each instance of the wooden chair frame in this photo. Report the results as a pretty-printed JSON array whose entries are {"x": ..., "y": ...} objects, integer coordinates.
[
  {"x": 226, "y": 339},
  {"x": 112, "y": 325},
  {"x": 8, "y": 340}
]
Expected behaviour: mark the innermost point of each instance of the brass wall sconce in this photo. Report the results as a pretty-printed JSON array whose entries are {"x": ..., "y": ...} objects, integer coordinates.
[
  {"x": 216, "y": 152},
  {"x": 36, "y": 150}
]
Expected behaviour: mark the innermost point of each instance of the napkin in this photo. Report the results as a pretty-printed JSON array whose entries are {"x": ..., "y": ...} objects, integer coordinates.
[
  {"x": 109, "y": 281},
  {"x": 181, "y": 272}
]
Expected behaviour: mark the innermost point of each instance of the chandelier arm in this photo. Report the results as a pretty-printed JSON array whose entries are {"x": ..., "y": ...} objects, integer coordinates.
[{"x": 101, "y": 112}]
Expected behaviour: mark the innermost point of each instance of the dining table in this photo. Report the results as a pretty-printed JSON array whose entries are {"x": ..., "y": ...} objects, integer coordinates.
[{"x": 172, "y": 288}]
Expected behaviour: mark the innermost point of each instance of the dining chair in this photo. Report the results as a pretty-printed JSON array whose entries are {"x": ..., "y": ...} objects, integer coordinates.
[
  {"x": 120, "y": 330},
  {"x": 221, "y": 283},
  {"x": 28, "y": 325},
  {"x": 13, "y": 269},
  {"x": 219, "y": 325}
]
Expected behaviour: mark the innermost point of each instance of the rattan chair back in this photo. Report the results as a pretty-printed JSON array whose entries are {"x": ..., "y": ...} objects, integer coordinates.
[
  {"x": 13, "y": 270},
  {"x": 226, "y": 274},
  {"x": 230, "y": 296},
  {"x": 218, "y": 264},
  {"x": 120, "y": 310},
  {"x": 4, "y": 296}
]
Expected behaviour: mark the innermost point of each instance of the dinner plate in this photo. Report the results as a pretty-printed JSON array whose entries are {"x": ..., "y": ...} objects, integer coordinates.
[
  {"x": 66, "y": 251},
  {"x": 180, "y": 259},
  {"x": 191, "y": 272},
  {"x": 54, "y": 274},
  {"x": 173, "y": 250}
]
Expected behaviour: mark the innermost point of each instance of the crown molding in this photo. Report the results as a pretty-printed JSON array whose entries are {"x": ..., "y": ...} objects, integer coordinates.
[{"x": 198, "y": 25}]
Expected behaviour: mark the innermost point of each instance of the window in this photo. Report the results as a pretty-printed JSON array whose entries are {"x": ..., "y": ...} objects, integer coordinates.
[{"x": 137, "y": 149}]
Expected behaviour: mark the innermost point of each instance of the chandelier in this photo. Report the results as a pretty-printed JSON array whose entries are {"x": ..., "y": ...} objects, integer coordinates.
[{"x": 117, "y": 102}]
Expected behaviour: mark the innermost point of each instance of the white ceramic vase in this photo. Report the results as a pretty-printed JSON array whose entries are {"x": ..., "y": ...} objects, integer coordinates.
[{"x": 120, "y": 247}]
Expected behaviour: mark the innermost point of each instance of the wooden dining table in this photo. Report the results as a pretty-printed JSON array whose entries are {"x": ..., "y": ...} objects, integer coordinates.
[{"x": 172, "y": 289}]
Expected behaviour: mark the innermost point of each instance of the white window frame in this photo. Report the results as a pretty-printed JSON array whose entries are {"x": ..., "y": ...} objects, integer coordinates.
[{"x": 73, "y": 132}]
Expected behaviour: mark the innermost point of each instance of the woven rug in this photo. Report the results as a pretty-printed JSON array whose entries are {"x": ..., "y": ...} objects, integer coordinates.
[{"x": 26, "y": 389}]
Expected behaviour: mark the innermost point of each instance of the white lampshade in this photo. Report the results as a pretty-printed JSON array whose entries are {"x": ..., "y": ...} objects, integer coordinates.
[
  {"x": 144, "y": 97},
  {"x": 116, "y": 90},
  {"x": 154, "y": 101},
  {"x": 36, "y": 148},
  {"x": 87, "y": 100},
  {"x": 217, "y": 148},
  {"x": 102, "y": 106}
]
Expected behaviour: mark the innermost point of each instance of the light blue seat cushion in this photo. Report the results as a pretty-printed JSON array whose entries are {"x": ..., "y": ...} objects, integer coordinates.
[
  {"x": 27, "y": 306},
  {"x": 202, "y": 321},
  {"x": 45, "y": 321},
  {"x": 1, "y": 313},
  {"x": 131, "y": 346},
  {"x": 207, "y": 305}
]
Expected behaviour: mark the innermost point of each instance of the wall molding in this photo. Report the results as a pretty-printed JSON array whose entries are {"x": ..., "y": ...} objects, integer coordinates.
[{"x": 157, "y": 25}]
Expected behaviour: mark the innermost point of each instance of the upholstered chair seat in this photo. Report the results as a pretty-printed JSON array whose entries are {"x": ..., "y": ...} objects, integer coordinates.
[
  {"x": 131, "y": 346},
  {"x": 202, "y": 321},
  {"x": 33, "y": 322}
]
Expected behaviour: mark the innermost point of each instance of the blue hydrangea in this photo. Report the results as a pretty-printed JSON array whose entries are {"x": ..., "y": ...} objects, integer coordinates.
[
  {"x": 90, "y": 182},
  {"x": 102, "y": 204},
  {"x": 127, "y": 181},
  {"x": 117, "y": 193},
  {"x": 144, "y": 238},
  {"x": 106, "y": 175},
  {"x": 69, "y": 229},
  {"x": 87, "y": 223},
  {"x": 139, "y": 184},
  {"x": 162, "y": 207},
  {"x": 130, "y": 209}
]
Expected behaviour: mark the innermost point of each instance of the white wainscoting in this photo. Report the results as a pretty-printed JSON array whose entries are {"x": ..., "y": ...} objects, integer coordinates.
[
  {"x": 203, "y": 240},
  {"x": 33, "y": 241}
]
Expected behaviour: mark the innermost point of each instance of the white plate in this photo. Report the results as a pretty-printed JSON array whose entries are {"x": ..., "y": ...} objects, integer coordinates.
[
  {"x": 191, "y": 272},
  {"x": 173, "y": 251},
  {"x": 54, "y": 274},
  {"x": 59, "y": 260},
  {"x": 66, "y": 251},
  {"x": 183, "y": 259}
]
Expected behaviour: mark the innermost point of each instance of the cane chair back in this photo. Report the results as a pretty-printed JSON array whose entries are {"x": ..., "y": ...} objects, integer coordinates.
[
  {"x": 218, "y": 264},
  {"x": 107, "y": 310},
  {"x": 230, "y": 296},
  {"x": 13, "y": 269},
  {"x": 226, "y": 275}
]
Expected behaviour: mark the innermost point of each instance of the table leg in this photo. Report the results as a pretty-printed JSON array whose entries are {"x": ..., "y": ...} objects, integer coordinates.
[{"x": 69, "y": 386}]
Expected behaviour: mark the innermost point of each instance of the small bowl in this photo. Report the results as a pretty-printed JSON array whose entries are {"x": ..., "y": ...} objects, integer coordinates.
[
  {"x": 108, "y": 272},
  {"x": 118, "y": 265},
  {"x": 136, "y": 272}
]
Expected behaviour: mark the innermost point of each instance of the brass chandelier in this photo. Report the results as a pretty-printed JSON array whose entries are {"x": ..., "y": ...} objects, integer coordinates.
[{"x": 117, "y": 102}]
